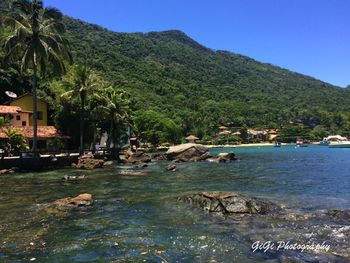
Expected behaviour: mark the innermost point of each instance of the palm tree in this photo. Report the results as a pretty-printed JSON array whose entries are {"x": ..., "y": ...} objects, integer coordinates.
[
  {"x": 81, "y": 82},
  {"x": 37, "y": 38},
  {"x": 116, "y": 107}
]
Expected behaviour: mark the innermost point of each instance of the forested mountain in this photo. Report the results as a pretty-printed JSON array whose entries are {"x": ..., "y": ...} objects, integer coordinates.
[{"x": 200, "y": 88}]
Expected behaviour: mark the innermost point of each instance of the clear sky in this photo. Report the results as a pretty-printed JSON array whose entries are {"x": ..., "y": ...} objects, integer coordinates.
[{"x": 307, "y": 36}]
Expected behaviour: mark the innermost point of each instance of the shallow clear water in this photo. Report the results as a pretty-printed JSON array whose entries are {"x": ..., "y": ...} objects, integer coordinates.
[{"x": 138, "y": 218}]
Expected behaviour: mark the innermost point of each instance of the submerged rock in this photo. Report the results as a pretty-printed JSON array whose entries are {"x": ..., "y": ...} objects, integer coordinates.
[
  {"x": 230, "y": 203},
  {"x": 343, "y": 215},
  {"x": 223, "y": 158},
  {"x": 74, "y": 177},
  {"x": 109, "y": 163},
  {"x": 188, "y": 152},
  {"x": 7, "y": 171},
  {"x": 132, "y": 172},
  {"x": 78, "y": 201},
  {"x": 171, "y": 167},
  {"x": 141, "y": 165}
]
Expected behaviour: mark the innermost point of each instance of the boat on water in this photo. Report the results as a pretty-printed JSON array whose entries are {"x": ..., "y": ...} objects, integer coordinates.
[
  {"x": 337, "y": 141},
  {"x": 277, "y": 144},
  {"x": 302, "y": 143},
  {"x": 324, "y": 142}
]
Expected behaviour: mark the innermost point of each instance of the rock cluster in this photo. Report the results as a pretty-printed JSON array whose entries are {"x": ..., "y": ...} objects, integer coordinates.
[
  {"x": 88, "y": 162},
  {"x": 229, "y": 203},
  {"x": 137, "y": 157},
  {"x": 192, "y": 152}
]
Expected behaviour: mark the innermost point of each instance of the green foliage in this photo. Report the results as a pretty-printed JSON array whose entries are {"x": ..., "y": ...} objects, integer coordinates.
[
  {"x": 55, "y": 144},
  {"x": 16, "y": 141},
  {"x": 291, "y": 133},
  {"x": 156, "y": 128},
  {"x": 231, "y": 139},
  {"x": 195, "y": 87},
  {"x": 2, "y": 121}
]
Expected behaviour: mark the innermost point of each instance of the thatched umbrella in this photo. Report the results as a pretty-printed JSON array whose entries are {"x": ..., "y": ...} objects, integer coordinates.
[{"x": 192, "y": 139}]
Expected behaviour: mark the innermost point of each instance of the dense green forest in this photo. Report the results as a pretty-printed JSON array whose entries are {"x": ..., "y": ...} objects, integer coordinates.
[{"x": 193, "y": 87}]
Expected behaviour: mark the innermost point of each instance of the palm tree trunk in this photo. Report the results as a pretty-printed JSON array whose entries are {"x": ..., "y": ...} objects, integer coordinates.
[
  {"x": 81, "y": 147},
  {"x": 93, "y": 146},
  {"x": 35, "y": 111},
  {"x": 109, "y": 142}
]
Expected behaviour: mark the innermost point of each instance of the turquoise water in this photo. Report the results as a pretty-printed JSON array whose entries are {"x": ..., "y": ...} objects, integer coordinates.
[{"x": 138, "y": 218}]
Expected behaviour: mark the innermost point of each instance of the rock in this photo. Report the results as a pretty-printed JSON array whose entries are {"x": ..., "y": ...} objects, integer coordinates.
[
  {"x": 78, "y": 201},
  {"x": 230, "y": 203},
  {"x": 171, "y": 167},
  {"x": 74, "y": 177},
  {"x": 87, "y": 156},
  {"x": 7, "y": 171},
  {"x": 159, "y": 157},
  {"x": 88, "y": 162},
  {"x": 223, "y": 158},
  {"x": 343, "y": 215},
  {"x": 132, "y": 173},
  {"x": 138, "y": 157},
  {"x": 109, "y": 163},
  {"x": 141, "y": 165},
  {"x": 188, "y": 152}
]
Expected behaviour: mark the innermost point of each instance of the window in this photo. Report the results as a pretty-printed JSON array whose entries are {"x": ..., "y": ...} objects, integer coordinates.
[
  {"x": 18, "y": 117},
  {"x": 24, "y": 123},
  {"x": 40, "y": 115}
]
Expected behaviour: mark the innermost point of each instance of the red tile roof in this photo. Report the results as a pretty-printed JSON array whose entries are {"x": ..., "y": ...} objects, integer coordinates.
[
  {"x": 44, "y": 132},
  {"x": 9, "y": 109}
]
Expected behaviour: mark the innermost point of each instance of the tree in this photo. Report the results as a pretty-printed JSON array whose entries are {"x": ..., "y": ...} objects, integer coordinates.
[
  {"x": 36, "y": 38},
  {"x": 116, "y": 106},
  {"x": 81, "y": 82},
  {"x": 156, "y": 128},
  {"x": 16, "y": 141}
]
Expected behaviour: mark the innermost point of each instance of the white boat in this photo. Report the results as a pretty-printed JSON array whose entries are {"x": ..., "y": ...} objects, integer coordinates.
[
  {"x": 340, "y": 144},
  {"x": 337, "y": 141}
]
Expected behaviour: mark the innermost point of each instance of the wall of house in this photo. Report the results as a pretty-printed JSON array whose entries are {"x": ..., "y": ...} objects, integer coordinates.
[
  {"x": 24, "y": 117},
  {"x": 26, "y": 103}
]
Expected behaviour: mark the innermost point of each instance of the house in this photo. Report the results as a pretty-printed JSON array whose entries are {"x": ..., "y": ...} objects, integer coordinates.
[
  {"x": 260, "y": 135},
  {"x": 19, "y": 116},
  {"x": 25, "y": 102},
  {"x": 15, "y": 115},
  {"x": 272, "y": 134}
]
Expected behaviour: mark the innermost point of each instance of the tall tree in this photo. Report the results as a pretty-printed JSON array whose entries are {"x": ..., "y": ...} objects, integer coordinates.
[
  {"x": 36, "y": 38},
  {"x": 81, "y": 82},
  {"x": 116, "y": 107}
]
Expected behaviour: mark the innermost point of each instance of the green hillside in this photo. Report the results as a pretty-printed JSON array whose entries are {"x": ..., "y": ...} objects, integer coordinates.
[
  {"x": 171, "y": 72},
  {"x": 201, "y": 88}
]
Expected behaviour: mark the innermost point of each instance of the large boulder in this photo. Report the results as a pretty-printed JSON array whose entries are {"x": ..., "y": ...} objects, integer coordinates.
[
  {"x": 188, "y": 152},
  {"x": 78, "y": 201},
  {"x": 88, "y": 162},
  {"x": 229, "y": 203},
  {"x": 137, "y": 157}
]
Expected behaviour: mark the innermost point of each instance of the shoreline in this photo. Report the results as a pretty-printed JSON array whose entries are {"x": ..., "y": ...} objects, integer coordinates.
[{"x": 241, "y": 145}]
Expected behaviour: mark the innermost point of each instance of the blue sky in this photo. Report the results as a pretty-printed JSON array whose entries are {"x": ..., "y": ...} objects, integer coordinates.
[{"x": 307, "y": 36}]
